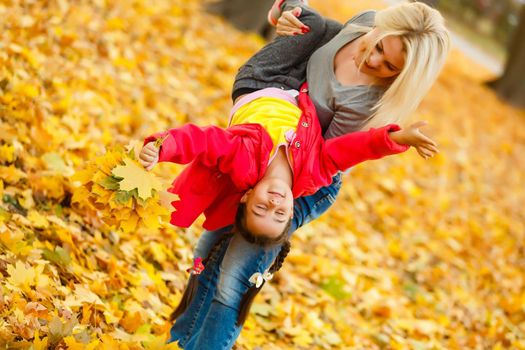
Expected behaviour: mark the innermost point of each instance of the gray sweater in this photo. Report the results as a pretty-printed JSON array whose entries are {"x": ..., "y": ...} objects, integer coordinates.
[{"x": 341, "y": 108}]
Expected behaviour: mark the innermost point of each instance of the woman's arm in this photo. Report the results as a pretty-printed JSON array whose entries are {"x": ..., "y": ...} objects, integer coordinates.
[{"x": 282, "y": 62}]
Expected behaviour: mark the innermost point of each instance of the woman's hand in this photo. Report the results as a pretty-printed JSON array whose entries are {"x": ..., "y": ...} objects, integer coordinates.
[
  {"x": 149, "y": 156},
  {"x": 288, "y": 24},
  {"x": 412, "y": 136}
]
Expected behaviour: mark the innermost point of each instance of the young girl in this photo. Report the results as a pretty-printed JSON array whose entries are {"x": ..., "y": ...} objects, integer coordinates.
[
  {"x": 372, "y": 71},
  {"x": 272, "y": 153}
]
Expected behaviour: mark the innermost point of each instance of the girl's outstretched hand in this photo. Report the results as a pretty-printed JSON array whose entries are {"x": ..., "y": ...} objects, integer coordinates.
[
  {"x": 412, "y": 136},
  {"x": 288, "y": 24},
  {"x": 149, "y": 156}
]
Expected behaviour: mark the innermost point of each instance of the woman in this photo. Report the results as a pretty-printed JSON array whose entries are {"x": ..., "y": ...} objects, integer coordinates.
[{"x": 372, "y": 71}]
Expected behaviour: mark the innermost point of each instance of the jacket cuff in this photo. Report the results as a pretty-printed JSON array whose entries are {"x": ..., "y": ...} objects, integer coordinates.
[
  {"x": 153, "y": 138},
  {"x": 384, "y": 144}
]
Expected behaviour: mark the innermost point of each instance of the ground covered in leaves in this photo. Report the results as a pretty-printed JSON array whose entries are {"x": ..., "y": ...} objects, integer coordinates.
[{"x": 414, "y": 255}]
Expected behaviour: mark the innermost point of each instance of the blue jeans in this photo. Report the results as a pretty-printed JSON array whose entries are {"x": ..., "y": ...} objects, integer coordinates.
[{"x": 210, "y": 320}]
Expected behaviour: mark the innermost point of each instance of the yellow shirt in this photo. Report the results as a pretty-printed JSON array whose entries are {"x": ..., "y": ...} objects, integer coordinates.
[{"x": 277, "y": 116}]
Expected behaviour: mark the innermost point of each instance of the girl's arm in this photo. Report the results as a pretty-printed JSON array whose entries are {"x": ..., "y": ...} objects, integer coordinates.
[
  {"x": 412, "y": 136},
  {"x": 183, "y": 145},
  {"x": 343, "y": 152}
]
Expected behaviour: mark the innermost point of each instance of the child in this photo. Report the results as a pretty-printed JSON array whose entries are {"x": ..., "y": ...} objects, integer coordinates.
[{"x": 272, "y": 153}]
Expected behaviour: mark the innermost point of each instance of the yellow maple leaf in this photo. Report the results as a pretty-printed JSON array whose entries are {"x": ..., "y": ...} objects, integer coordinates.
[
  {"x": 129, "y": 224},
  {"x": 39, "y": 344},
  {"x": 83, "y": 295},
  {"x": 166, "y": 198},
  {"x": 72, "y": 344},
  {"x": 37, "y": 219},
  {"x": 135, "y": 176},
  {"x": 21, "y": 275},
  {"x": 7, "y": 153},
  {"x": 108, "y": 161}
]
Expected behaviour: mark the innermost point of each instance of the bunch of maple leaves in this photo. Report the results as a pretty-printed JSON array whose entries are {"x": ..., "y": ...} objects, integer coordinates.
[
  {"x": 121, "y": 192},
  {"x": 414, "y": 254}
]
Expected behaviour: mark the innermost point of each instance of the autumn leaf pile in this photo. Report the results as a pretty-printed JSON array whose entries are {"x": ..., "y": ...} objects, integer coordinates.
[{"x": 414, "y": 254}]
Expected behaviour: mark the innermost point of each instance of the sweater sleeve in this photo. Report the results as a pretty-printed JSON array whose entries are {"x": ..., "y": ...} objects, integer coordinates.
[
  {"x": 365, "y": 18},
  {"x": 189, "y": 142},
  {"x": 343, "y": 152}
]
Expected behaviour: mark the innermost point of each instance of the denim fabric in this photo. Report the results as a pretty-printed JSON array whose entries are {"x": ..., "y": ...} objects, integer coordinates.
[{"x": 209, "y": 321}]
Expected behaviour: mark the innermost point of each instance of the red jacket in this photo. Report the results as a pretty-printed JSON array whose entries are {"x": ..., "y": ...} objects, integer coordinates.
[{"x": 225, "y": 163}]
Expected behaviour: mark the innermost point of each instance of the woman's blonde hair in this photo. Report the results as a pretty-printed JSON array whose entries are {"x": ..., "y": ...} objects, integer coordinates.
[{"x": 426, "y": 43}]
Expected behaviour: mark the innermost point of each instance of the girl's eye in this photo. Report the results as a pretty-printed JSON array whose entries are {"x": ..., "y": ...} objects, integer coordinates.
[
  {"x": 260, "y": 206},
  {"x": 379, "y": 48}
]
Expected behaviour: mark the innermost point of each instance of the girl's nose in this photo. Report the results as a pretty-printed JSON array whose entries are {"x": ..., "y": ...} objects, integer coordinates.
[{"x": 275, "y": 201}]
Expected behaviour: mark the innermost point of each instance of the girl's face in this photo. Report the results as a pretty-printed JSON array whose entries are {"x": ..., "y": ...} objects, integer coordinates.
[
  {"x": 386, "y": 59},
  {"x": 269, "y": 207}
]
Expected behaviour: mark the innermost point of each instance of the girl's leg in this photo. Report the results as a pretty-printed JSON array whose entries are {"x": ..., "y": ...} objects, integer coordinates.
[
  {"x": 218, "y": 330},
  {"x": 242, "y": 259},
  {"x": 309, "y": 208},
  {"x": 282, "y": 62}
]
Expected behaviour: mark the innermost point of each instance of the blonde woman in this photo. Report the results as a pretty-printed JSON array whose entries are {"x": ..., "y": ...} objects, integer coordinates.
[{"x": 372, "y": 71}]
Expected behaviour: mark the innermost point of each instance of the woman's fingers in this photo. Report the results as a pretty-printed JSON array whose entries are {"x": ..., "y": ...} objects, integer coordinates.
[
  {"x": 288, "y": 31},
  {"x": 288, "y": 24},
  {"x": 291, "y": 17}
]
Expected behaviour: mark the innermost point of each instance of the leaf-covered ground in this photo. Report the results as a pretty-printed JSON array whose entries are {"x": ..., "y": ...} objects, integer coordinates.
[{"x": 414, "y": 255}]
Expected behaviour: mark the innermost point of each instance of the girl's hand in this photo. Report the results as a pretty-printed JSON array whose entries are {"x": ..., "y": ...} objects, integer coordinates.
[
  {"x": 412, "y": 136},
  {"x": 288, "y": 24},
  {"x": 149, "y": 156}
]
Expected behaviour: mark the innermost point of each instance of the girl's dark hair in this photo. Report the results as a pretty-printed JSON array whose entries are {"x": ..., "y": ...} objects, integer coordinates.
[
  {"x": 261, "y": 240},
  {"x": 248, "y": 297},
  {"x": 191, "y": 288},
  {"x": 240, "y": 227}
]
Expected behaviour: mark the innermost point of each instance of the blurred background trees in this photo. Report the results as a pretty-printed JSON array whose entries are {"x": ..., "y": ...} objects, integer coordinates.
[
  {"x": 245, "y": 15},
  {"x": 500, "y": 29},
  {"x": 511, "y": 85},
  {"x": 495, "y": 18}
]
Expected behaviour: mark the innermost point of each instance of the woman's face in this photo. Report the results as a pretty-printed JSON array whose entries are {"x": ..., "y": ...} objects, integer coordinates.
[{"x": 387, "y": 58}]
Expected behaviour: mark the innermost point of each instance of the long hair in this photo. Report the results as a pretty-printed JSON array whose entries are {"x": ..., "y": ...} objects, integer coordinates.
[
  {"x": 426, "y": 44},
  {"x": 213, "y": 255},
  {"x": 249, "y": 296},
  {"x": 193, "y": 282}
]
